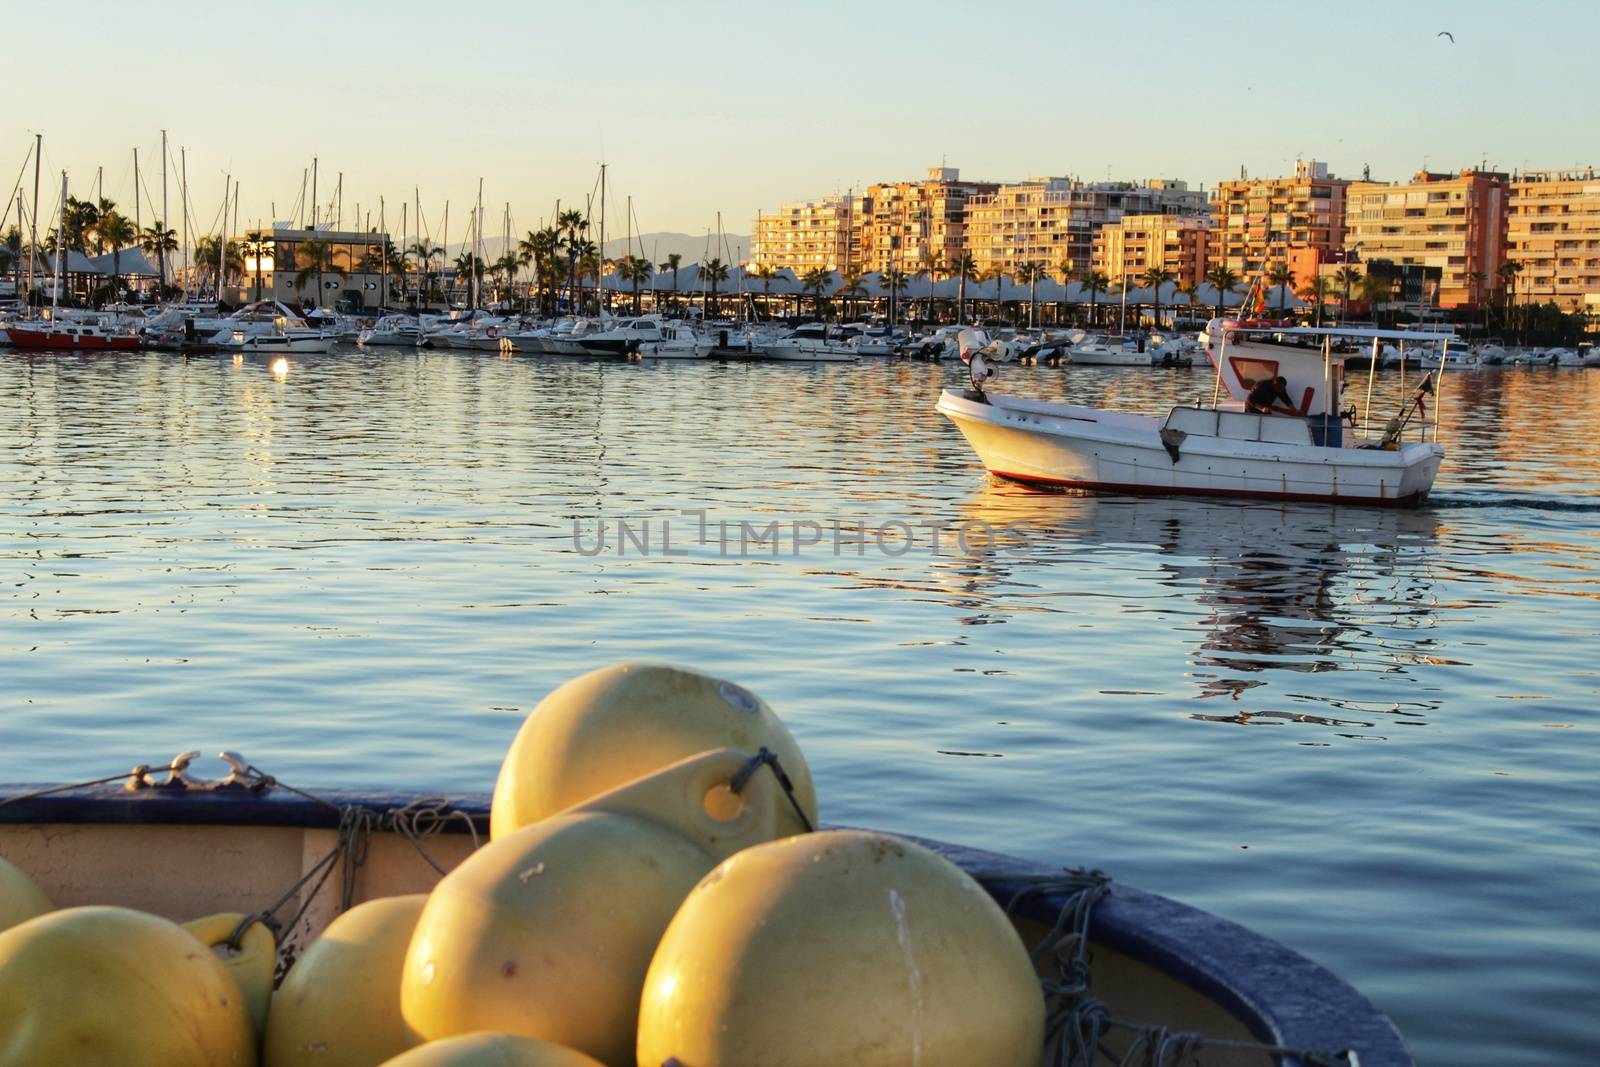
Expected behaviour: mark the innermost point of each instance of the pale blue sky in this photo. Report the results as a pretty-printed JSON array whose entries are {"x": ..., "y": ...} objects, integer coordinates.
[{"x": 707, "y": 106}]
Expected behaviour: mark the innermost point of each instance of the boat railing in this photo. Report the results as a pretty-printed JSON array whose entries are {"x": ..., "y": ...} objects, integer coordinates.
[{"x": 1241, "y": 425}]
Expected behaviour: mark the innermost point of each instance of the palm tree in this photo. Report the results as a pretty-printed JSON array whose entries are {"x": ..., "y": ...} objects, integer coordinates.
[
  {"x": 116, "y": 230},
  {"x": 764, "y": 273},
  {"x": 315, "y": 258},
  {"x": 540, "y": 248},
  {"x": 1064, "y": 268},
  {"x": 157, "y": 240},
  {"x": 1189, "y": 291},
  {"x": 892, "y": 282},
  {"x": 573, "y": 226},
  {"x": 850, "y": 286},
  {"x": 1096, "y": 282},
  {"x": 962, "y": 266},
  {"x": 633, "y": 269},
  {"x": 714, "y": 271},
  {"x": 932, "y": 266},
  {"x": 78, "y": 220},
  {"x": 1376, "y": 289},
  {"x": 1317, "y": 292},
  {"x": 1346, "y": 277},
  {"x": 1224, "y": 280},
  {"x": 674, "y": 263},
  {"x": 507, "y": 266},
  {"x": 1280, "y": 275},
  {"x": 815, "y": 282},
  {"x": 1156, "y": 277},
  {"x": 473, "y": 266},
  {"x": 426, "y": 252},
  {"x": 399, "y": 267},
  {"x": 1508, "y": 287},
  {"x": 1029, "y": 273}
]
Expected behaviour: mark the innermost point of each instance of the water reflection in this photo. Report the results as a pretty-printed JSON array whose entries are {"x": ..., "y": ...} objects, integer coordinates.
[{"x": 1269, "y": 588}]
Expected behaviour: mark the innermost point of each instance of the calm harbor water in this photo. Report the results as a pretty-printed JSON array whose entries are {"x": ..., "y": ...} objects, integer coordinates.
[{"x": 1369, "y": 734}]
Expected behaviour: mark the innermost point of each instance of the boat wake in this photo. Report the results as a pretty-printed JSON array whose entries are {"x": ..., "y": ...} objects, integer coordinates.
[{"x": 1528, "y": 501}]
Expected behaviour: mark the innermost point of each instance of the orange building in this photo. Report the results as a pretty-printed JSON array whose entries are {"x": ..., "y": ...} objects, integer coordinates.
[
  {"x": 1554, "y": 233},
  {"x": 1455, "y": 223},
  {"x": 1297, "y": 220},
  {"x": 1136, "y": 243},
  {"x": 904, "y": 223}
]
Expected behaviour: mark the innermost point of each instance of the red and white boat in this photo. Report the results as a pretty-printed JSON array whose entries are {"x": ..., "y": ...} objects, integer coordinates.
[
  {"x": 1317, "y": 452},
  {"x": 56, "y": 334}
]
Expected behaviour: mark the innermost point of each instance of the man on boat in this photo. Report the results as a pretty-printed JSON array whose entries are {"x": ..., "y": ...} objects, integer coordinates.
[{"x": 1267, "y": 394}]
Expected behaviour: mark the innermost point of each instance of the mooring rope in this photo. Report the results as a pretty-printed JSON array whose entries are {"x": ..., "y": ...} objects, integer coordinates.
[
  {"x": 1076, "y": 1022},
  {"x": 765, "y": 758}
]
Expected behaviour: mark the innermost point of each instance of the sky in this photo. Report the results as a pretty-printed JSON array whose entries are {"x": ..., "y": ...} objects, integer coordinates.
[{"x": 707, "y": 107}]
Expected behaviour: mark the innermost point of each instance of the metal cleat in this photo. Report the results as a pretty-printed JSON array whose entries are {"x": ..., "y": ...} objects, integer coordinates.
[
  {"x": 240, "y": 774},
  {"x": 175, "y": 777}
]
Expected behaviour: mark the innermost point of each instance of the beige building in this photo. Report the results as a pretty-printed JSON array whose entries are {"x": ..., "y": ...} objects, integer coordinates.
[
  {"x": 904, "y": 223},
  {"x": 808, "y": 234},
  {"x": 351, "y": 276},
  {"x": 1553, "y": 230},
  {"x": 1136, "y": 243},
  {"x": 1453, "y": 223},
  {"x": 1054, "y": 220},
  {"x": 1297, "y": 220}
]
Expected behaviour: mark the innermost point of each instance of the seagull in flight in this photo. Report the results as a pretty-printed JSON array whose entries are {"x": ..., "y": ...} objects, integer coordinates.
[{"x": 1446, "y": 33}]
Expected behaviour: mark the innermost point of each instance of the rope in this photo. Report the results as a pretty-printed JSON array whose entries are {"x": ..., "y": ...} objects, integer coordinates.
[
  {"x": 1075, "y": 1022},
  {"x": 763, "y": 757},
  {"x": 137, "y": 774}
]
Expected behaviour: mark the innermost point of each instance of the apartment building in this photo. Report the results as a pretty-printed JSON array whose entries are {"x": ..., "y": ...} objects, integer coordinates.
[
  {"x": 1553, "y": 231},
  {"x": 1136, "y": 243},
  {"x": 1054, "y": 220},
  {"x": 1298, "y": 220},
  {"x": 1455, "y": 223},
  {"x": 904, "y": 223},
  {"x": 826, "y": 232}
]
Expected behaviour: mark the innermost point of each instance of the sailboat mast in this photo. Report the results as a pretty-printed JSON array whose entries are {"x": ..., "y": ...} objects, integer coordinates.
[
  {"x": 164, "y": 215},
  {"x": 61, "y": 244},
  {"x": 314, "y": 192},
  {"x": 383, "y": 254},
  {"x": 138, "y": 218},
  {"x": 33, "y": 212},
  {"x": 600, "y": 270},
  {"x": 473, "y": 277},
  {"x": 222, "y": 239},
  {"x": 183, "y": 197}
]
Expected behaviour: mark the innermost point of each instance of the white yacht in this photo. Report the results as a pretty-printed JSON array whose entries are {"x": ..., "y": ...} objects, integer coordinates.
[
  {"x": 1109, "y": 350},
  {"x": 815, "y": 342},
  {"x": 397, "y": 330},
  {"x": 624, "y": 336}
]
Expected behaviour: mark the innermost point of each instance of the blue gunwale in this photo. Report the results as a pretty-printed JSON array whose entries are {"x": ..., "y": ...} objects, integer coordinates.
[{"x": 1283, "y": 997}]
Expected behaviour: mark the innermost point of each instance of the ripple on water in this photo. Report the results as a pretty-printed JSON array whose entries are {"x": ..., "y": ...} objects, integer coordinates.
[{"x": 1364, "y": 732}]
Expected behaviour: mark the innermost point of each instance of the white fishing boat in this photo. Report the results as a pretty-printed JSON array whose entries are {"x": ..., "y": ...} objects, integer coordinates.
[
  {"x": 1108, "y": 350},
  {"x": 1312, "y": 452}
]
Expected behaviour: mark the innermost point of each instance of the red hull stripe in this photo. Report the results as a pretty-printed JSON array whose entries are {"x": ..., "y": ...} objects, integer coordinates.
[
  {"x": 1237, "y": 494},
  {"x": 36, "y": 339}
]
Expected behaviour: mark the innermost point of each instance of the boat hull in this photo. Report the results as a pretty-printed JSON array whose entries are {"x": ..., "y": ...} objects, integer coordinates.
[
  {"x": 185, "y": 852},
  {"x": 1062, "y": 447},
  {"x": 22, "y": 337}
]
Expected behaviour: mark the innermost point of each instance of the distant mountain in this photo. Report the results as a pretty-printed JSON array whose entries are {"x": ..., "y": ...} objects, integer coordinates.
[{"x": 652, "y": 246}]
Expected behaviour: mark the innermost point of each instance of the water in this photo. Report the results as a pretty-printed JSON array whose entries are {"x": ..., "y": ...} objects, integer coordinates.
[{"x": 1369, "y": 734}]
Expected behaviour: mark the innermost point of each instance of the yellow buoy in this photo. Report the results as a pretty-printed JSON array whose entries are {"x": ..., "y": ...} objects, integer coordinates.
[
  {"x": 619, "y": 723},
  {"x": 112, "y": 985},
  {"x": 491, "y": 1050},
  {"x": 252, "y": 964},
  {"x": 840, "y": 947},
  {"x": 339, "y": 1005},
  {"x": 20, "y": 899},
  {"x": 548, "y": 931}
]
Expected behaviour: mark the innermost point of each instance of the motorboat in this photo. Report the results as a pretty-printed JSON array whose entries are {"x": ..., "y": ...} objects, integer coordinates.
[
  {"x": 76, "y": 335},
  {"x": 678, "y": 341},
  {"x": 878, "y": 341},
  {"x": 1310, "y": 451},
  {"x": 624, "y": 336},
  {"x": 396, "y": 330},
  {"x": 814, "y": 342},
  {"x": 566, "y": 339},
  {"x": 1109, "y": 350},
  {"x": 1114, "y": 960},
  {"x": 288, "y": 341}
]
